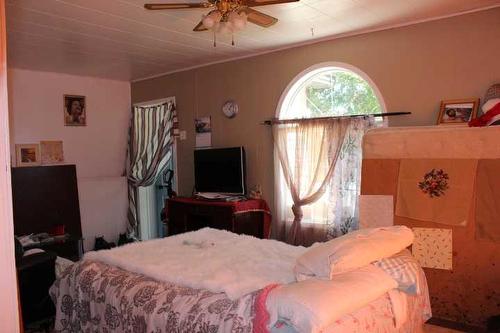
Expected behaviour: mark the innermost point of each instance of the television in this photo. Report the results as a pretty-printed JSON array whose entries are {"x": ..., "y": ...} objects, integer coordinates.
[{"x": 220, "y": 170}]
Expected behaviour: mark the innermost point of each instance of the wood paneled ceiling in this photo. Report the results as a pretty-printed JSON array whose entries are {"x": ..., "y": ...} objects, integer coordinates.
[{"x": 119, "y": 39}]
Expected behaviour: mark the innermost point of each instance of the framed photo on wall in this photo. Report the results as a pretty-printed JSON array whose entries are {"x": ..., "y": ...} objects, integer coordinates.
[
  {"x": 458, "y": 111},
  {"x": 51, "y": 152},
  {"x": 27, "y": 155},
  {"x": 74, "y": 110}
]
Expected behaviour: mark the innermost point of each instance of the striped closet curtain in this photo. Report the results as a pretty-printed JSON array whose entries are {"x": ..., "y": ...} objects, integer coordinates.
[{"x": 151, "y": 135}]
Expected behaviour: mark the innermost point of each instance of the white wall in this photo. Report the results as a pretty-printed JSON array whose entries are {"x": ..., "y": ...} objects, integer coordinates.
[
  {"x": 103, "y": 207},
  {"x": 98, "y": 149}
]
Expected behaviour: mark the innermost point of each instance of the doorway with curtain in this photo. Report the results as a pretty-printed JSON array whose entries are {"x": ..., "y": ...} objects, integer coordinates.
[
  {"x": 151, "y": 200},
  {"x": 151, "y": 165}
]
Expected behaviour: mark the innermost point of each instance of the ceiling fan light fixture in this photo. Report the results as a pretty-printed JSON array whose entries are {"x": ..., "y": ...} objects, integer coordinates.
[
  {"x": 225, "y": 28},
  {"x": 239, "y": 21},
  {"x": 226, "y": 16},
  {"x": 212, "y": 19}
]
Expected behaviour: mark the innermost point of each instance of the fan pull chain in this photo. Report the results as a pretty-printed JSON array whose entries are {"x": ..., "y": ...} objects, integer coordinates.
[
  {"x": 232, "y": 39},
  {"x": 215, "y": 39}
]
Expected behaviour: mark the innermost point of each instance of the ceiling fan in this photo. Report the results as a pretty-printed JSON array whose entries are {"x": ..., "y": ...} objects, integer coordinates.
[{"x": 226, "y": 15}]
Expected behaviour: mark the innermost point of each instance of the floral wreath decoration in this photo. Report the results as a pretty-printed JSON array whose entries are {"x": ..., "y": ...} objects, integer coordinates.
[{"x": 435, "y": 183}]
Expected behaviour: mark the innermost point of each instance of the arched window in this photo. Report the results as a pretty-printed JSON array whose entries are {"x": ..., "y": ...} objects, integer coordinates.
[
  {"x": 327, "y": 90},
  {"x": 330, "y": 89}
]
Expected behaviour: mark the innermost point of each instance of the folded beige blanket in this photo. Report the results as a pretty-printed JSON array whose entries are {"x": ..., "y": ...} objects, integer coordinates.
[{"x": 436, "y": 190}]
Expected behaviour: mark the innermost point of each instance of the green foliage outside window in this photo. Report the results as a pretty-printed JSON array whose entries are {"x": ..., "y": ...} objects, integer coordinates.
[{"x": 340, "y": 93}]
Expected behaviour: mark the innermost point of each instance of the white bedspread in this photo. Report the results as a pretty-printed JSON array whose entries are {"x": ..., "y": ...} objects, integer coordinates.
[{"x": 211, "y": 259}]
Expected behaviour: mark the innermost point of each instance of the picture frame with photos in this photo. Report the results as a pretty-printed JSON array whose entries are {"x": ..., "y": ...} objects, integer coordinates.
[
  {"x": 27, "y": 155},
  {"x": 458, "y": 111}
]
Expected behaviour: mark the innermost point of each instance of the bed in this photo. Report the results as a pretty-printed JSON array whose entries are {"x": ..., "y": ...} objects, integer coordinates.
[{"x": 106, "y": 294}]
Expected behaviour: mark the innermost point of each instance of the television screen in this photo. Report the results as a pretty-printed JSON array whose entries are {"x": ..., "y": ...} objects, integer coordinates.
[{"x": 220, "y": 170}]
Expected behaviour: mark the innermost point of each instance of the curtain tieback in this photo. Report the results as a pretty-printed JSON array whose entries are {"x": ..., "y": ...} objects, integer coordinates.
[{"x": 297, "y": 212}]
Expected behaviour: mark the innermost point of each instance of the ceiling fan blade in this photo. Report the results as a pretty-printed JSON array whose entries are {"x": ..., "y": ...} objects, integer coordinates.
[
  {"x": 161, "y": 6},
  {"x": 255, "y": 3},
  {"x": 200, "y": 27},
  {"x": 259, "y": 18}
]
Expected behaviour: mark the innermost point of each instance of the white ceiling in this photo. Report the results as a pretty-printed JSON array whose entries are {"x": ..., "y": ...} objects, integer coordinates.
[{"x": 119, "y": 39}]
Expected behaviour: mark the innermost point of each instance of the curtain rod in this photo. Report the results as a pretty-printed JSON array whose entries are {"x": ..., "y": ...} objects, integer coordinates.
[{"x": 276, "y": 121}]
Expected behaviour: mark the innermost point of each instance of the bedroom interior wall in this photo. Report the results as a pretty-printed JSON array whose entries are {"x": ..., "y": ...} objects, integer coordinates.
[
  {"x": 468, "y": 292},
  {"x": 415, "y": 67},
  {"x": 98, "y": 149}
]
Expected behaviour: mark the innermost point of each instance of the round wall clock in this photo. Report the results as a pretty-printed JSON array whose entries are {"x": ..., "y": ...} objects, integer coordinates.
[{"x": 230, "y": 109}]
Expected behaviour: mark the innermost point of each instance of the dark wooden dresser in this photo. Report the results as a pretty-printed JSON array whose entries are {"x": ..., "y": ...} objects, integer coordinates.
[
  {"x": 46, "y": 196},
  {"x": 250, "y": 217}
]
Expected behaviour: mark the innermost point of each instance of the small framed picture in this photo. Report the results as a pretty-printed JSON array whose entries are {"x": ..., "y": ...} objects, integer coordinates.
[
  {"x": 459, "y": 111},
  {"x": 27, "y": 155},
  {"x": 74, "y": 110},
  {"x": 51, "y": 152},
  {"x": 203, "y": 129}
]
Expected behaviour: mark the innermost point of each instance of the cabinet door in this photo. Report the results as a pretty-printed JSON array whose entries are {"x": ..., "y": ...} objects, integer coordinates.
[
  {"x": 202, "y": 216},
  {"x": 196, "y": 221},
  {"x": 250, "y": 223},
  {"x": 220, "y": 218},
  {"x": 190, "y": 217},
  {"x": 176, "y": 218}
]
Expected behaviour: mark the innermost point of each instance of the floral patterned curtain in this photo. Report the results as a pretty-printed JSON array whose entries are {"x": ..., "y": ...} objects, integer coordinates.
[{"x": 345, "y": 187}]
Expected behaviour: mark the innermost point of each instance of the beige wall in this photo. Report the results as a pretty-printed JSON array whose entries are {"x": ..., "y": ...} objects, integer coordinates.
[{"x": 414, "y": 67}]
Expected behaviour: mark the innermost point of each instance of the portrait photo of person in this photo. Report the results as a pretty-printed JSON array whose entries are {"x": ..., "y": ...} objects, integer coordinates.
[{"x": 74, "y": 110}]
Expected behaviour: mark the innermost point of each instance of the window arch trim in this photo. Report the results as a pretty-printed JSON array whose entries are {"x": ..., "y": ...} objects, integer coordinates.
[{"x": 309, "y": 72}]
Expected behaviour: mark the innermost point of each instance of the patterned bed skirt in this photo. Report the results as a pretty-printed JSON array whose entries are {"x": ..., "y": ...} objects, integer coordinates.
[{"x": 94, "y": 297}]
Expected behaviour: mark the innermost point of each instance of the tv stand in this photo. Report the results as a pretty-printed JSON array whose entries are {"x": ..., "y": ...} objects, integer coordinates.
[{"x": 250, "y": 217}]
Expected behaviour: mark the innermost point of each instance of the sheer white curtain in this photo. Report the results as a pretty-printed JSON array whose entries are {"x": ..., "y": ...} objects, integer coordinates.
[
  {"x": 334, "y": 210},
  {"x": 307, "y": 152}
]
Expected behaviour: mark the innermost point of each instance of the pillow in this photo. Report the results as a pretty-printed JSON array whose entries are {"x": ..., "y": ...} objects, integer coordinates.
[
  {"x": 490, "y": 104},
  {"x": 312, "y": 305},
  {"x": 403, "y": 268},
  {"x": 351, "y": 251}
]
